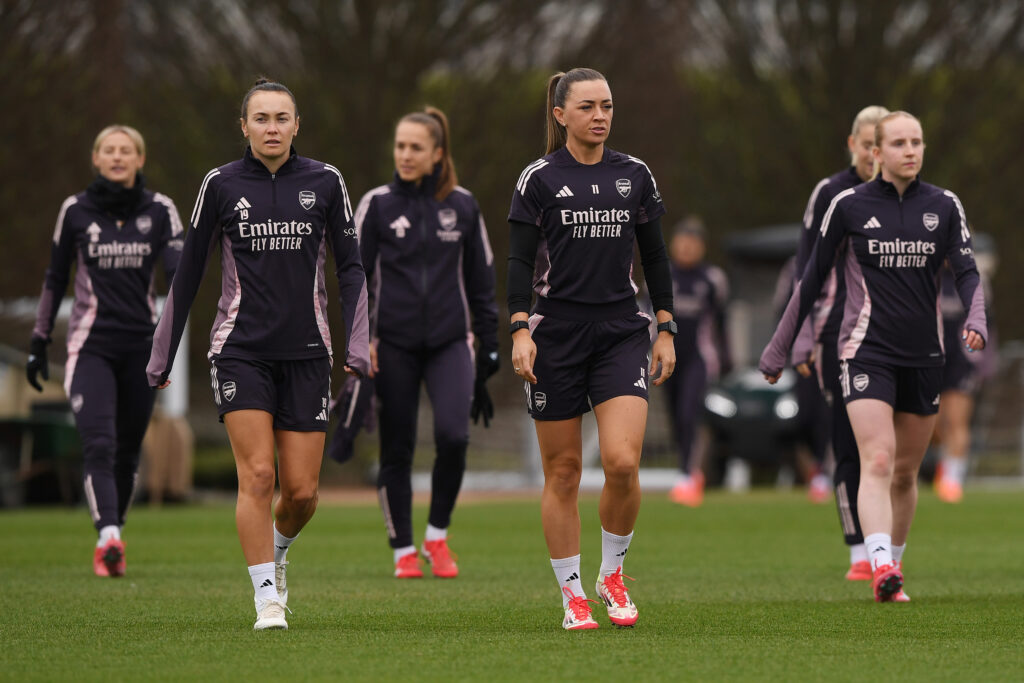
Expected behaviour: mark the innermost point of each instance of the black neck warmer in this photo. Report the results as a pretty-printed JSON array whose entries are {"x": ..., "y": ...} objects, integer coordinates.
[{"x": 115, "y": 198}]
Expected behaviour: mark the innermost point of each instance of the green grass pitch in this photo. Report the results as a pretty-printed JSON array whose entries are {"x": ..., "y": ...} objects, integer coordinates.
[{"x": 744, "y": 588}]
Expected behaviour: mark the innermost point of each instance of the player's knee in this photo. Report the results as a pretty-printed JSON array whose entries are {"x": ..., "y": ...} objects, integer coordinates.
[
  {"x": 98, "y": 451},
  {"x": 903, "y": 480},
  {"x": 301, "y": 497},
  {"x": 620, "y": 467},
  {"x": 257, "y": 482},
  {"x": 877, "y": 463},
  {"x": 564, "y": 478}
]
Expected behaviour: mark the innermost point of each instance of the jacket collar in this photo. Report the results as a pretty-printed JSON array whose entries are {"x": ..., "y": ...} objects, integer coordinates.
[
  {"x": 426, "y": 188},
  {"x": 255, "y": 164},
  {"x": 890, "y": 189}
]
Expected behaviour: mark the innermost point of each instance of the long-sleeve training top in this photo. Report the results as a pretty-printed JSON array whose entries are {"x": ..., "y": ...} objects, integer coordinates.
[
  {"x": 429, "y": 265},
  {"x": 115, "y": 298},
  {"x": 274, "y": 230},
  {"x": 890, "y": 248}
]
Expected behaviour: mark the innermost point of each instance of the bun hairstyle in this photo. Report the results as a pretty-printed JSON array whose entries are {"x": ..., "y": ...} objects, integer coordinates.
[
  {"x": 437, "y": 123},
  {"x": 264, "y": 84},
  {"x": 558, "y": 90}
]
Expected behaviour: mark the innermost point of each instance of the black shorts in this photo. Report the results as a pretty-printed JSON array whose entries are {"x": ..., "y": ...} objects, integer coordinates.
[
  {"x": 959, "y": 373},
  {"x": 295, "y": 392},
  {"x": 907, "y": 390},
  {"x": 582, "y": 364}
]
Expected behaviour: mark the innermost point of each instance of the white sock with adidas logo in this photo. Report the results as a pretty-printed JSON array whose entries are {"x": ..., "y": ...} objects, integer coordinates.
[
  {"x": 613, "y": 551},
  {"x": 567, "y": 573},
  {"x": 879, "y": 549},
  {"x": 281, "y": 545},
  {"x": 263, "y": 583}
]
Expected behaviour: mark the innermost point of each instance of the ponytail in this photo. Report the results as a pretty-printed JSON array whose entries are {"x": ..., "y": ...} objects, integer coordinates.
[
  {"x": 437, "y": 123},
  {"x": 555, "y": 137},
  {"x": 558, "y": 90}
]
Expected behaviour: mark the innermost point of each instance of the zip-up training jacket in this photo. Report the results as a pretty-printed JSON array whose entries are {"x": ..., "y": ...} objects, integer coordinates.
[
  {"x": 890, "y": 249},
  {"x": 823, "y": 324},
  {"x": 115, "y": 299},
  {"x": 273, "y": 231},
  {"x": 429, "y": 266}
]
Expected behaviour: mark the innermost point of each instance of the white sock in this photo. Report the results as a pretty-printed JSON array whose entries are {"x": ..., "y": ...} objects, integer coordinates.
[
  {"x": 567, "y": 573},
  {"x": 954, "y": 469},
  {"x": 263, "y": 582},
  {"x": 897, "y": 552},
  {"x": 108, "y": 532},
  {"x": 879, "y": 548},
  {"x": 435, "y": 534},
  {"x": 858, "y": 553},
  {"x": 281, "y": 545},
  {"x": 613, "y": 551},
  {"x": 402, "y": 552}
]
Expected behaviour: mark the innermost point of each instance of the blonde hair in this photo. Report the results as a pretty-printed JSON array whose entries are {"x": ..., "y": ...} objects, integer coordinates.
[
  {"x": 889, "y": 117},
  {"x": 133, "y": 135},
  {"x": 878, "y": 132},
  {"x": 868, "y": 116}
]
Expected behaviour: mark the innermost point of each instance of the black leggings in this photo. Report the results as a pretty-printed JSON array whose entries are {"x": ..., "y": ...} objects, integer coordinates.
[
  {"x": 448, "y": 373},
  {"x": 112, "y": 402}
]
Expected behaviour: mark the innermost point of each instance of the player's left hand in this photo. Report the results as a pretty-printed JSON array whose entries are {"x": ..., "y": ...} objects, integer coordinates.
[
  {"x": 972, "y": 340},
  {"x": 663, "y": 354}
]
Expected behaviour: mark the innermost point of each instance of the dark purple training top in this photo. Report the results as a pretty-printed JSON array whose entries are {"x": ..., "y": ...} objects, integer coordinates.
[
  {"x": 273, "y": 231},
  {"x": 890, "y": 249},
  {"x": 826, "y": 317},
  {"x": 429, "y": 266},
  {"x": 699, "y": 296},
  {"x": 115, "y": 298},
  {"x": 587, "y": 215}
]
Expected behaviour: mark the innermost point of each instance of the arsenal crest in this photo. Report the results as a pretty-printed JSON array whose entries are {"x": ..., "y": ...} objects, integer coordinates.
[
  {"x": 448, "y": 218},
  {"x": 860, "y": 382},
  {"x": 623, "y": 186},
  {"x": 143, "y": 224},
  {"x": 931, "y": 220},
  {"x": 540, "y": 399},
  {"x": 228, "y": 390},
  {"x": 307, "y": 198},
  {"x": 76, "y": 402}
]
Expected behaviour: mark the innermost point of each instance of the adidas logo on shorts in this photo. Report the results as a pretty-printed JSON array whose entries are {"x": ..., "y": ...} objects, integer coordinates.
[
  {"x": 641, "y": 382},
  {"x": 323, "y": 415}
]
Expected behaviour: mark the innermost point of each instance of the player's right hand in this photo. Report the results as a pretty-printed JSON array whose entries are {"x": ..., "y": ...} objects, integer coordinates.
[
  {"x": 374, "y": 368},
  {"x": 524, "y": 353},
  {"x": 37, "y": 364}
]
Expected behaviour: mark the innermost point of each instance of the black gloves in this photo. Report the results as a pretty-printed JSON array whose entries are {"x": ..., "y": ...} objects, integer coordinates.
[
  {"x": 486, "y": 365},
  {"x": 37, "y": 363}
]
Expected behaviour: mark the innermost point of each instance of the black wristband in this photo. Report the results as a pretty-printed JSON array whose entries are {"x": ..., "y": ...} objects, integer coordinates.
[
  {"x": 668, "y": 326},
  {"x": 518, "y": 325}
]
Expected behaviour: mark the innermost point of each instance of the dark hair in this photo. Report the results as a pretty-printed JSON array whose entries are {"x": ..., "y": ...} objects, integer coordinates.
[
  {"x": 691, "y": 225},
  {"x": 558, "y": 90},
  {"x": 437, "y": 123},
  {"x": 264, "y": 84}
]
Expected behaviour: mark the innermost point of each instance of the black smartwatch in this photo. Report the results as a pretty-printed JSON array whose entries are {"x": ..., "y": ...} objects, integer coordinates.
[
  {"x": 668, "y": 326},
  {"x": 518, "y": 325}
]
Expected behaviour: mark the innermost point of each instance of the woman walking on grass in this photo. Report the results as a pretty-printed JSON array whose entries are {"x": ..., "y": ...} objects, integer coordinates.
[
  {"x": 575, "y": 216},
  {"x": 275, "y": 215}
]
